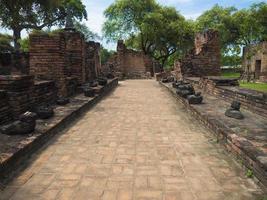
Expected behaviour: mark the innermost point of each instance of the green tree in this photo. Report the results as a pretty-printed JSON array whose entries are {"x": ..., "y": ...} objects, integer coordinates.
[
  {"x": 156, "y": 30},
  {"x": 222, "y": 20},
  {"x": 5, "y": 43},
  {"x": 105, "y": 54},
  {"x": 84, "y": 29},
  {"x": 125, "y": 17},
  {"x": 18, "y": 15}
]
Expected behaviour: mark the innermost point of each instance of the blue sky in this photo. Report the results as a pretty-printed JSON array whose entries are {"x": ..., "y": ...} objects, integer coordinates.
[{"x": 189, "y": 8}]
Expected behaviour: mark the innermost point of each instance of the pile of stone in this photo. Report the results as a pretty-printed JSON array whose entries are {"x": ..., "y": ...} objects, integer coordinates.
[
  {"x": 62, "y": 101},
  {"x": 187, "y": 91},
  {"x": 24, "y": 125},
  {"x": 168, "y": 79},
  {"x": 234, "y": 111},
  {"x": 102, "y": 81},
  {"x": 44, "y": 112}
]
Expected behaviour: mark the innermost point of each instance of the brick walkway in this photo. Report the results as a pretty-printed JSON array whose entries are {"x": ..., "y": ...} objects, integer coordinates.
[{"x": 138, "y": 143}]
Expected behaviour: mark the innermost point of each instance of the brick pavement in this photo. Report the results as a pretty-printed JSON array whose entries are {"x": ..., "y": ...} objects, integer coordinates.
[{"x": 138, "y": 143}]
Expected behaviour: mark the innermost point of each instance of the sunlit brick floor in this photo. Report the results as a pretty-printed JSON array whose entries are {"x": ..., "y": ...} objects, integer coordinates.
[{"x": 138, "y": 143}]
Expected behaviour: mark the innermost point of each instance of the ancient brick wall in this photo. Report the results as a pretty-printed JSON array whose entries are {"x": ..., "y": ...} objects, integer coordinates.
[
  {"x": 93, "y": 60},
  {"x": 130, "y": 63},
  {"x": 59, "y": 57},
  {"x": 14, "y": 63},
  {"x": 75, "y": 55},
  {"x": 203, "y": 59},
  {"x": 5, "y": 110},
  {"x": 19, "y": 89},
  {"x": 255, "y": 61},
  {"x": 228, "y": 90},
  {"x": 47, "y": 59},
  {"x": 44, "y": 92}
]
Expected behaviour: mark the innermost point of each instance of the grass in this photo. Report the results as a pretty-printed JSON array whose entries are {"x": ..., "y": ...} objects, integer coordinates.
[
  {"x": 231, "y": 74},
  {"x": 262, "y": 87}
]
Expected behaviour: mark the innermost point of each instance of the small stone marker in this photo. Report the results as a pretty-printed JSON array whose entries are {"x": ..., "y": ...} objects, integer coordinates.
[
  {"x": 195, "y": 98},
  {"x": 234, "y": 111}
]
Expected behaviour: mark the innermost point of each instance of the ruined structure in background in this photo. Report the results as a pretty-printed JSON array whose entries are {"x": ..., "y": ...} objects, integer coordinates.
[
  {"x": 255, "y": 62},
  {"x": 55, "y": 66},
  {"x": 65, "y": 58},
  {"x": 203, "y": 59},
  {"x": 128, "y": 63}
]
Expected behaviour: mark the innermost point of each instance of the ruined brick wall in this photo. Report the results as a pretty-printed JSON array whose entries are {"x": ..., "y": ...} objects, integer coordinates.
[
  {"x": 44, "y": 92},
  {"x": 14, "y": 63},
  {"x": 204, "y": 59},
  {"x": 132, "y": 64},
  {"x": 75, "y": 55},
  {"x": 93, "y": 61},
  {"x": 5, "y": 110},
  {"x": 255, "y": 61},
  {"x": 19, "y": 89},
  {"x": 47, "y": 59},
  {"x": 228, "y": 90},
  {"x": 59, "y": 57}
]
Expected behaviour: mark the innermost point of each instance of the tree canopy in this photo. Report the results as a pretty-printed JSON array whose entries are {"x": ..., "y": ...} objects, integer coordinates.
[
  {"x": 37, "y": 14},
  {"x": 157, "y": 30}
]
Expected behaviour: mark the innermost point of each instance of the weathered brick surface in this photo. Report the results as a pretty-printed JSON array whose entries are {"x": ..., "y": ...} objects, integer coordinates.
[
  {"x": 93, "y": 63},
  {"x": 14, "y": 63},
  {"x": 47, "y": 59},
  {"x": 203, "y": 59},
  {"x": 245, "y": 139},
  {"x": 19, "y": 90},
  {"x": 5, "y": 110},
  {"x": 143, "y": 146},
  {"x": 44, "y": 92},
  {"x": 63, "y": 57},
  {"x": 228, "y": 91},
  {"x": 253, "y": 56},
  {"x": 132, "y": 64}
]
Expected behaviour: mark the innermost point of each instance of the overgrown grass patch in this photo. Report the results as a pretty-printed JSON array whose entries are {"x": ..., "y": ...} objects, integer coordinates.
[
  {"x": 262, "y": 87},
  {"x": 231, "y": 74}
]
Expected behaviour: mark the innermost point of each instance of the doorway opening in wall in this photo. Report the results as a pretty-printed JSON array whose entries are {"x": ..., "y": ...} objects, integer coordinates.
[{"x": 257, "y": 69}]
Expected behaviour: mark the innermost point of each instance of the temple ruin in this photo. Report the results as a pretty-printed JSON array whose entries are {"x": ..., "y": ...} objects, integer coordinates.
[
  {"x": 129, "y": 63},
  {"x": 203, "y": 60},
  {"x": 255, "y": 62},
  {"x": 56, "y": 66}
]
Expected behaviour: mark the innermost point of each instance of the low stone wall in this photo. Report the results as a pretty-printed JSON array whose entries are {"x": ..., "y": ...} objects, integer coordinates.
[
  {"x": 250, "y": 99},
  {"x": 20, "y": 94},
  {"x": 17, "y": 63},
  {"x": 12, "y": 158},
  {"x": 20, "y": 91},
  {"x": 44, "y": 92},
  {"x": 5, "y": 110},
  {"x": 244, "y": 149}
]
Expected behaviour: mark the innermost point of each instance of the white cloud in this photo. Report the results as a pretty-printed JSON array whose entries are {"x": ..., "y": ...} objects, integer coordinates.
[{"x": 192, "y": 16}]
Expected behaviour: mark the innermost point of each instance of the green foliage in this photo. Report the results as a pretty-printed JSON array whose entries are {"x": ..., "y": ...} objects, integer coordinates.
[
  {"x": 249, "y": 173},
  {"x": 231, "y": 74},
  {"x": 105, "y": 54},
  {"x": 24, "y": 44},
  {"x": 37, "y": 14},
  {"x": 262, "y": 87},
  {"x": 236, "y": 27},
  {"x": 5, "y": 43},
  {"x": 157, "y": 30},
  {"x": 88, "y": 34}
]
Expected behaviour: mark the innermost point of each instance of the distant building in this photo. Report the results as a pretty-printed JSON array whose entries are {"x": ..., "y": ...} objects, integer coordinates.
[{"x": 255, "y": 62}]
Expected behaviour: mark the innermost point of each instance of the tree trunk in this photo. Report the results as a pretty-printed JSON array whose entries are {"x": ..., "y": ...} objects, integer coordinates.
[{"x": 16, "y": 37}]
